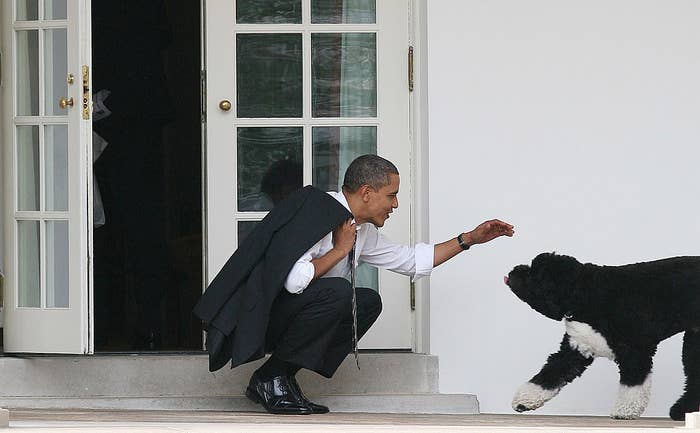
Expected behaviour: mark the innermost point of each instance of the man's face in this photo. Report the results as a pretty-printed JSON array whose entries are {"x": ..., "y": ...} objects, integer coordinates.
[{"x": 380, "y": 203}]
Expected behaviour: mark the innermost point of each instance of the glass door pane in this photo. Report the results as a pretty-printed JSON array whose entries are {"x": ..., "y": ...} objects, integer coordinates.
[
  {"x": 27, "y": 10},
  {"x": 269, "y": 75},
  {"x": 29, "y": 278},
  {"x": 56, "y": 174},
  {"x": 27, "y": 84},
  {"x": 56, "y": 70},
  {"x": 343, "y": 11},
  {"x": 57, "y": 253},
  {"x": 269, "y": 166},
  {"x": 56, "y": 9},
  {"x": 335, "y": 147},
  {"x": 268, "y": 12},
  {"x": 28, "y": 182},
  {"x": 344, "y": 74}
]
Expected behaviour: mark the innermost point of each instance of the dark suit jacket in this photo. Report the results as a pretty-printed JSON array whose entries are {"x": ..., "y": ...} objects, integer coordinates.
[{"x": 236, "y": 305}]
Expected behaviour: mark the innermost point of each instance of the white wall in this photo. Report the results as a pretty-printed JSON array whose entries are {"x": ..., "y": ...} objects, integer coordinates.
[{"x": 579, "y": 122}]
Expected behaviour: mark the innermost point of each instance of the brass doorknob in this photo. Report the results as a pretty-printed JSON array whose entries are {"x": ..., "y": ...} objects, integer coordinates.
[
  {"x": 225, "y": 105},
  {"x": 63, "y": 102}
]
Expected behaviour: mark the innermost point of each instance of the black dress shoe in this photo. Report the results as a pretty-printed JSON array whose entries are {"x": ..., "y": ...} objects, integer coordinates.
[
  {"x": 315, "y": 408},
  {"x": 276, "y": 395}
]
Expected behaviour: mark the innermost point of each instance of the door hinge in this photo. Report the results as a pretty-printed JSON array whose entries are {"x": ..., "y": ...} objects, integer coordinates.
[
  {"x": 86, "y": 102},
  {"x": 413, "y": 296},
  {"x": 410, "y": 69},
  {"x": 203, "y": 93}
]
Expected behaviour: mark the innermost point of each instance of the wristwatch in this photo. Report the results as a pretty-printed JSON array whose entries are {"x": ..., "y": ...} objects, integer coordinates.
[{"x": 461, "y": 242}]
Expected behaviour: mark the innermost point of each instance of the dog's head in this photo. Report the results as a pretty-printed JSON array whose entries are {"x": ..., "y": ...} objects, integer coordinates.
[{"x": 547, "y": 284}]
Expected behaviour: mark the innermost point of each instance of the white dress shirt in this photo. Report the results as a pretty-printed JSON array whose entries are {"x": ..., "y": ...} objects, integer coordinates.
[{"x": 371, "y": 248}]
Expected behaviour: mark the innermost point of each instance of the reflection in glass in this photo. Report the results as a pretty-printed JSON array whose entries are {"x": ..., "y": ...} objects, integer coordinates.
[
  {"x": 343, "y": 11},
  {"x": 269, "y": 166},
  {"x": 244, "y": 229},
  {"x": 27, "y": 10},
  {"x": 28, "y": 168},
  {"x": 344, "y": 74},
  {"x": 57, "y": 264},
  {"x": 269, "y": 71},
  {"x": 268, "y": 12},
  {"x": 334, "y": 148},
  {"x": 56, "y": 176},
  {"x": 55, "y": 63},
  {"x": 27, "y": 73},
  {"x": 29, "y": 292},
  {"x": 55, "y": 10}
]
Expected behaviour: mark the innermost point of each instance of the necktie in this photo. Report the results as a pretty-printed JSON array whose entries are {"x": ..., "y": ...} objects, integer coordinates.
[{"x": 351, "y": 256}]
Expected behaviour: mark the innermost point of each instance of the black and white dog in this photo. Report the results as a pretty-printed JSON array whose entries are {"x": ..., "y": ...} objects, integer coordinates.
[{"x": 617, "y": 312}]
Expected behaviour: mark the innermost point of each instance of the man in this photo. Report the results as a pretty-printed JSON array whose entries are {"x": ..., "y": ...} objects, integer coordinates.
[{"x": 311, "y": 322}]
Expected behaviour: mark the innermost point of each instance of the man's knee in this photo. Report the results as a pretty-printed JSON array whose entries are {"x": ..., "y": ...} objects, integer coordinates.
[{"x": 372, "y": 302}]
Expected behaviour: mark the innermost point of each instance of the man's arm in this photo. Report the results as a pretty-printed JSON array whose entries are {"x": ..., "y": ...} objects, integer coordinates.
[
  {"x": 311, "y": 266},
  {"x": 343, "y": 240},
  {"x": 483, "y": 233}
]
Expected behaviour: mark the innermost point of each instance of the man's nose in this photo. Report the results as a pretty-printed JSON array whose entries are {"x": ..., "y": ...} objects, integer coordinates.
[{"x": 396, "y": 203}]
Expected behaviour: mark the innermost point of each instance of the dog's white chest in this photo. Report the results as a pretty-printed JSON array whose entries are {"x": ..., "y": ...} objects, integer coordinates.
[{"x": 588, "y": 341}]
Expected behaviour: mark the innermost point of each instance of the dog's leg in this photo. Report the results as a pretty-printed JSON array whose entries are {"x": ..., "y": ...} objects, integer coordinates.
[
  {"x": 561, "y": 368},
  {"x": 635, "y": 384},
  {"x": 690, "y": 400}
]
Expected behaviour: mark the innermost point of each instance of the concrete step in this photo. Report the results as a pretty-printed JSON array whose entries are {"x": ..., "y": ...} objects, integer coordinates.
[
  {"x": 387, "y": 382},
  {"x": 377, "y": 403}
]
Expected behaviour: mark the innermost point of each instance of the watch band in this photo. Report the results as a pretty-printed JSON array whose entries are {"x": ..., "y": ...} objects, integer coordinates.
[{"x": 461, "y": 242}]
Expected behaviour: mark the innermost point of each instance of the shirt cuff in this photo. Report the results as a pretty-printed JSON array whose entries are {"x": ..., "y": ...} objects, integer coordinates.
[
  {"x": 299, "y": 277},
  {"x": 425, "y": 256}
]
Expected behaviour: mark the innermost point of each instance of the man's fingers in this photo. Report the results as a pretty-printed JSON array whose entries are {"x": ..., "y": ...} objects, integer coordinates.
[
  {"x": 497, "y": 228},
  {"x": 502, "y": 223}
]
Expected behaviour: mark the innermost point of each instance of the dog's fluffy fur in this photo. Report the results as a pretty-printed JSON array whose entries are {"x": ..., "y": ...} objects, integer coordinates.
[{"x": 617, "y": 312}]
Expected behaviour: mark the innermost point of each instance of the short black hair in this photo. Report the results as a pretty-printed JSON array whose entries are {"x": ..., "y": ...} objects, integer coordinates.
[{"x": 369, "y": 170}]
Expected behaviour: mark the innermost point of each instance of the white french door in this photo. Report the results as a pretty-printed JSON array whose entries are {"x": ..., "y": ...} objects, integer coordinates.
[
  {"x": 295, "y": 90},
  {"x": 46, "y": 139}
]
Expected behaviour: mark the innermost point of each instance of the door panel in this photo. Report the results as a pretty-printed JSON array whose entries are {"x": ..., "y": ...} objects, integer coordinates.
[
  {"x": 45, "y": 158},
  {"x": 295, "y": 91}
]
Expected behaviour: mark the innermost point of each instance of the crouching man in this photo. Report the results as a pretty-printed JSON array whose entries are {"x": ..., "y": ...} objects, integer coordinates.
[{"x": 289, "y": 288}]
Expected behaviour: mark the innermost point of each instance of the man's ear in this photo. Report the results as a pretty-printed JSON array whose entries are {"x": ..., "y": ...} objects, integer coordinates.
[{"x": 365, "y": 191}]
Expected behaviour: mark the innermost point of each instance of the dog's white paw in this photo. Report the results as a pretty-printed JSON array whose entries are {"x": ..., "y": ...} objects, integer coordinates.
[
  {"x": 632, "y": 400},
  {"x": 530, "y": 396}
]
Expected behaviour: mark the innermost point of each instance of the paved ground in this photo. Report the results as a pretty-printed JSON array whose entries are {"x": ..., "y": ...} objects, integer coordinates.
[{"x": 207, "y": 422}]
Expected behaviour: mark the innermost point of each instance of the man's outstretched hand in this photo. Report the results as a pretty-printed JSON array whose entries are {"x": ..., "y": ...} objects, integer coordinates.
[
  {"x": 488, "y": 231},
  {"x": 484, "y": 232}
]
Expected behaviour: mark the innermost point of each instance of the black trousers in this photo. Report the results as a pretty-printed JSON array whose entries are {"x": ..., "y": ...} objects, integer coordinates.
[{"x": 313, "y": 329}]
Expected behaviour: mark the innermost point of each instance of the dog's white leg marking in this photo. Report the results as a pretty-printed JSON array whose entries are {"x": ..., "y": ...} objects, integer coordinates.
[
  {"x": 588, "y": 341},
  {"x": 530, "y": 396},
  {"x": 632, "y": 400}
]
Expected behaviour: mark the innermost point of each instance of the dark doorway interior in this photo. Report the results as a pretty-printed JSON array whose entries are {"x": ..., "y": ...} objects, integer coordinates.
[{"x": 148, "y": 244}]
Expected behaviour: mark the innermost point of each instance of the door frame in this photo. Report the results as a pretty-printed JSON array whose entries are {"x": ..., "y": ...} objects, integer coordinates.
[{"x": 420, "y": 175}]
